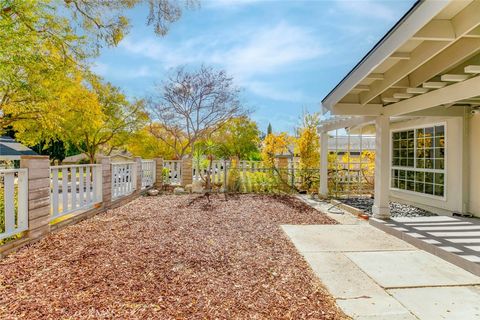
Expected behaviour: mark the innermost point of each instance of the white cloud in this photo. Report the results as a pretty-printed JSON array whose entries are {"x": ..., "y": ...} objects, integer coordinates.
[
  {"x": 270, "y": 49},
  {"x": 255, "y": 52}
]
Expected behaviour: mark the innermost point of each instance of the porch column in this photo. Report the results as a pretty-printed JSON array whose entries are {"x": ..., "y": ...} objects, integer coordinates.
[
  {"x": 381, "y": 208},
  {"x": 323, "y": 188}
]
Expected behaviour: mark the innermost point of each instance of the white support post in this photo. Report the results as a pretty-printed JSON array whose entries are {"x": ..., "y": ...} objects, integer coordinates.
[
  {"x": 381, "y": 208},
  {"x": 323, "y": 190}
]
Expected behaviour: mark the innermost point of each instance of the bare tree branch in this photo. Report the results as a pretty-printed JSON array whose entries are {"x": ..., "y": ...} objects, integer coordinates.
[{"x": 193, "y": 104}]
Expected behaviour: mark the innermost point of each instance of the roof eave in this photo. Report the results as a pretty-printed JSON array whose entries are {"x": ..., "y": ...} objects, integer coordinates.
[{"x": 417, "y": 17}]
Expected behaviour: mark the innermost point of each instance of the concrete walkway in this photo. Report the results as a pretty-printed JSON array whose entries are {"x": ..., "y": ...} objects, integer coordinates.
[{"x": 374, "y": 275}]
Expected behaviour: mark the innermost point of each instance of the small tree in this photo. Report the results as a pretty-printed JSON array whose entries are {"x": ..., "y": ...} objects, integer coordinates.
[
  {"x": 192, "y": 105},
  {"x": 272, "y": 145},
  {"x": 308, "y": 148},
  {"x": 238, "y": 137}
]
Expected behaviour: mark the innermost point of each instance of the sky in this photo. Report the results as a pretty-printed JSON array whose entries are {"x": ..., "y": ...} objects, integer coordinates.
[{"x": 285, "y": 55}]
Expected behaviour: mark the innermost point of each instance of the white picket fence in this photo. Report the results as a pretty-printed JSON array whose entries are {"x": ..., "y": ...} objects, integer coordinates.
[
  {"x": 14, "y": 185},
  {"x": 219, "y": 169},
  {"x": 217, "y": 173},
  {"x": 148, "y": 173},
  {"x": 74, "y": 188},
  {"x": 124, "y": 177},
  {"x": 174, "y": 171}
]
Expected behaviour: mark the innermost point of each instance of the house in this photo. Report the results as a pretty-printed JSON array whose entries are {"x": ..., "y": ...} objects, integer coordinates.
[
  {"x": 11, "y": 150},
  {"x": 419, "y": 88},
  {"x": 351, "y": 144}
]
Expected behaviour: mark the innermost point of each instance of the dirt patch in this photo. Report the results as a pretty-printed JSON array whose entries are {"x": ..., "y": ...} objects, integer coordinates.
[{"x": 164, "y": 258}]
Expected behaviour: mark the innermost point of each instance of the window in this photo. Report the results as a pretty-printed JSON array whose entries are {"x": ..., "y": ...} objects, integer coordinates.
[{"x": 418, "y": 160}]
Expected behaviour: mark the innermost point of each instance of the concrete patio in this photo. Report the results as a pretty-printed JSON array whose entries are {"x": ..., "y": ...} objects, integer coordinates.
[
  {"x": 374, "y": 275},
  {"x": 454, "y": 239}
]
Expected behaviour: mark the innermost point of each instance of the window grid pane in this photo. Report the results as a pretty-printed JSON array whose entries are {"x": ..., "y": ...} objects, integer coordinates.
[{"x": 418, "y": 158}]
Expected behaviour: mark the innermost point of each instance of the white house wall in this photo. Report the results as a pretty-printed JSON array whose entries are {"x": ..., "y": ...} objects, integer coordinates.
[
  {"x": 454, "y": 193},
  {"x": 474, "y": 170}
]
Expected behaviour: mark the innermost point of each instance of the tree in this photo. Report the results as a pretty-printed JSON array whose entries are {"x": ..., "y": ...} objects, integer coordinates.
[
  {"x": 144, "y": 144},
  {"x": 106, "y": 22},
  {"x": 238, "y": 137},
  {"x": 44, "y": 42},
  {"x": 308, "y": 145},
  {"x": 108, "y": 125},
  {"x": 269, "y": 128},
  {"x": 308, "y": 148},
  {"x": 273, "y": 145},
  {"x": 192, "y": 105}
]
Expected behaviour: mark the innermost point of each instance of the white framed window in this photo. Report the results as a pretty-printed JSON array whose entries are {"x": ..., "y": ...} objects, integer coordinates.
[{"x": 418, "y": 160}]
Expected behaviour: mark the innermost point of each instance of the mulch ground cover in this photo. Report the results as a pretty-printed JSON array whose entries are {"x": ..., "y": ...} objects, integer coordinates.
[{"x": 171, "y": 257}]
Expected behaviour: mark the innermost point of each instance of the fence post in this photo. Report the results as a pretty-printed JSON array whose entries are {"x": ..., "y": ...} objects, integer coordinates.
[
  {"x": 282, "y": 166},
  {"x": 138, "y": 174},
  {"x": 187, "y": 174},
  {"x": 158, "y": 173},
  {"x": 38, "y": 195},
  {"x": 106, "y": 181}
]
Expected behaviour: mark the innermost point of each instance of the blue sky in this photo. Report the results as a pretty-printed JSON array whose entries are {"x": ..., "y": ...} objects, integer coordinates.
[{"x": 286, "y": 55}]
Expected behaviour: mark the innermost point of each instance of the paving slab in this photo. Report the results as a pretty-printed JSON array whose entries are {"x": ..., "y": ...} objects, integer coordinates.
[
  {"x": 321, "y": 238},
  {"x": 425, "y": 219},
  {"x": 377, "y": 308},
  {"x": 356, "y": 293},
  {"x": 403, "y": 269},
  {"x": 341, "y": 216},
  {"x": 342, "y": 277},
  {"x": 460, "y": 303}
]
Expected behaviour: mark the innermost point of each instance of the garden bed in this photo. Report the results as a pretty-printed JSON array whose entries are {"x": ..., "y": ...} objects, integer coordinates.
[
  {"x": 396, "y": 209},
  {"x": 171, "y": 257}
]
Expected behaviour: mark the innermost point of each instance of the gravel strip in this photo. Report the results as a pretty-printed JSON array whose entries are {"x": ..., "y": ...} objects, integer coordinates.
[
  {"x": 396, "y": 209},
  {"x": 171, "y": 257}
]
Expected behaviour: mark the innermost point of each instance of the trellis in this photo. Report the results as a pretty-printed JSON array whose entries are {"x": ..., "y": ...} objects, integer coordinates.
[{"x": 349, "y": 177}]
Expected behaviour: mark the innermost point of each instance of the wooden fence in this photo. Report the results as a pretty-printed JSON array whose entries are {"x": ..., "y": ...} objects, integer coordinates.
[
  {"x": 75, "y": 187},
  {"x": 174, "y": 171},
  {"x": 123, "y": 177},
  {"x": 38, "y": 198},
  {"x": 148, "y": 173},
  {"x": 14, "y": 199}
]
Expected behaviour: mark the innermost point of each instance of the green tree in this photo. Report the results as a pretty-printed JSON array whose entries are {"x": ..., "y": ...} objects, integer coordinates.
[
  {"x": 44, "y": 42},
  {"x": 269, "y": 128},
  {"x": 110, "y": 126},
  {"x": 238, "y": 137}
]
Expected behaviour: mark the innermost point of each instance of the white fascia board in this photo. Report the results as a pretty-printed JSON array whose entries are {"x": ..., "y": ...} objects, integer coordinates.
[
  {"x": 345, "y": 123},
  {"x": 422, "y": 14}
]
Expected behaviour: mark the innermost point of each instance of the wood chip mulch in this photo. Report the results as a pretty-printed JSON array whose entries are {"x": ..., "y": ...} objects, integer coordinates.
[{"x": 171, "y": 257}]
